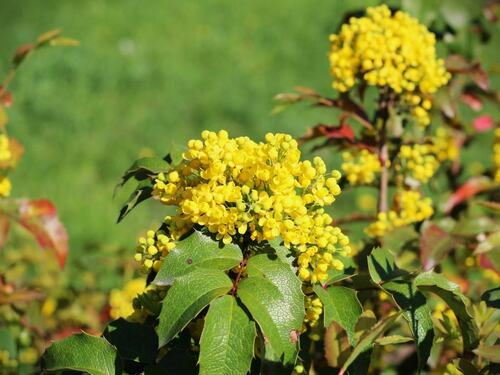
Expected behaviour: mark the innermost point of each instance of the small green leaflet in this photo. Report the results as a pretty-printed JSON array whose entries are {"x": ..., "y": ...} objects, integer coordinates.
[
  {"x": 227, "y": 341},
  {"x": 342, "y": 306},
  {"x": 187, "y": 297},
  {"x": 195, "y": 251},
  {"x": 83, "y": 352}
]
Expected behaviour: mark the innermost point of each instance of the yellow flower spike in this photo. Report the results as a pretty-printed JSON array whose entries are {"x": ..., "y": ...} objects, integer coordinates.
[
  {"x": 404, "y": 58},
  {"x": 412, "y": 208}
]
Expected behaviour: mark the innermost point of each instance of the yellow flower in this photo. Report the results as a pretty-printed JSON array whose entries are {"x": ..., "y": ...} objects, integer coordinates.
[
  {"x": 241, "y": 190},
  {"x": 314, "y": 308},
  {"x": 417, "y": 161},
  {"x": 151, "y": 249},
  {"x": 410, "y": 207},
  {"x": 120, "y": 300},
  {"x": 444, "y": 146},
  {"x": 388, "y": 50},
  {"x": 5, "y": 187},
  {"x": 5, "y": 153},
  {"x": 360, "y": 167}
]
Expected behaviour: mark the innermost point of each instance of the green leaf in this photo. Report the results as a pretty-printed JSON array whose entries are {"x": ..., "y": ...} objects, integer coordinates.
[
  {"x": 197, "y": 251},
  {"x": 435, "y": 244},
  {"x": 341, "y": 305},
  {"x": 187, "y": 297},
  {"x": 348, "y": 271},
  {"x": 82, "y": 352},
  {"x": 492, "y": 297},
  {"x": 416, "y": 312},
  {"x": 288, "y": 313},
  {"x": 393, "y": 339},
  {"x": 133, "y": 340},
  {"x": 142, "y": 192},
  {"x": 142, "y": 169},
  {"x": 227, "y": 341},
  {"x": 397, "y": 238},
  {"x": 458, "y": 303},
  {"x": 491, "y": 353},
  {"x": 367, "y": 340},
  {"x": 382, "y": 266},
  {"x": 261, "y": 297},
  {"x": 8, "y": 342}
]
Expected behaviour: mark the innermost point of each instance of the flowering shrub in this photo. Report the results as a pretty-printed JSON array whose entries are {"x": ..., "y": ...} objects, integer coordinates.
[{"x": 250, "y": 272}]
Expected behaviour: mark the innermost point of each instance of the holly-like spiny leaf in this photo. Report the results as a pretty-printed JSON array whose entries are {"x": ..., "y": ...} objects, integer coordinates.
[
  {"x": 187, "y": 297},
  {"x": 492, "y": 297},
  {"x": 288, "y": 313},
  {"x": 227, "y": 341},
  {"x": 340, "y": 305},
  {"x": 458, "y": 303},
  {"x": 382, "y": 266},
  {"x": 142, "y": 192},
  {"x": 197, "y": 250},
  {"x": 83, "y": 352},
  {"x": 367, "y": 340},
  {"x": 416, "y": 312},
  {"x": 142, "y": 169}
]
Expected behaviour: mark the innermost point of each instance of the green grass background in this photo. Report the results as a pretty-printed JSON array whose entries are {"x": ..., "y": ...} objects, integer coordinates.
[{"x": 146, "y": 75}]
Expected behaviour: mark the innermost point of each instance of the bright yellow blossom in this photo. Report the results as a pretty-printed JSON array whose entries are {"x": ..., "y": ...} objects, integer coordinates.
[
  {"x": 389, "y": 50},
  {"x": 314, "y": 308},
  {"x": 410, "y": 207},
  {"x": 360, "y": 167},
  {"x": 120, "y": 300},
  {"x": 5, "y": 153},
  {"x": 239, "y": 190},
  {"x": 5, "y": 187},
  {"x": 152, "y": 248},
  {"x": 444, "y": 146},
  {"x": 417, "y": 161}
]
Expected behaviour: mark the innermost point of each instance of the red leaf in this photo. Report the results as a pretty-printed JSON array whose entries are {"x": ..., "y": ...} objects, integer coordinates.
[
  {"x": 6, "y": 98},
  {"x": 22, "y": 52},
  {"x": 39, "y": 216},
  {"x": 435, "y": 244},
  {"x": 469, "y": 189},
  {"x": 472, "y": 100},
  {"x": 342, "y": 132},
  {"x": 483, "y": 123},
  {"x": 485, "y": 262}
]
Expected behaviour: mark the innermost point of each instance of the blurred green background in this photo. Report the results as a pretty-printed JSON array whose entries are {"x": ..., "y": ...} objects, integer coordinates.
[{"x": 155, "y": 73}]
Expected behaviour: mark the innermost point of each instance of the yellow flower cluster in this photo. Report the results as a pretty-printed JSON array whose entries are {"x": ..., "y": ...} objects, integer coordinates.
[
  {"x": 417, "y": 161},
  {"x": 411, "y": 207},
  {"x": 5, "y": 153},
  {"x": 120, "y": 300},
  {"x": 314, "y": 308},
  {"x": 241, "y": 190},
  {"x": 360, "y": 167},
  {"x": 388, "y": 50},
  {"x": 496, "y": 156},
  {"x": 152, "y": 248},
  {"x": 5, "y": 187},
  {"x": 444, "y": 145}
]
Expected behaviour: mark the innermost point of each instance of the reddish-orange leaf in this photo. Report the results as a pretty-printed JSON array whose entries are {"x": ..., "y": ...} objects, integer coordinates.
[
  {"x": 342, "y": 132},
  {"x": 39, "y": 216},
  {"x": 469, "y": 189}
]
